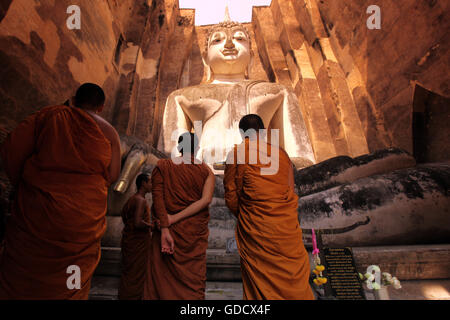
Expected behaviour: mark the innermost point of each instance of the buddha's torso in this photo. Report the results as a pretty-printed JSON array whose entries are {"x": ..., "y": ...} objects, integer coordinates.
[{"x": 219, "y": 107}]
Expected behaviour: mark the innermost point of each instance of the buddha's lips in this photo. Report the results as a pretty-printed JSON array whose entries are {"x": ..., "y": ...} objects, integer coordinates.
[{"x": 231, "y": 52}]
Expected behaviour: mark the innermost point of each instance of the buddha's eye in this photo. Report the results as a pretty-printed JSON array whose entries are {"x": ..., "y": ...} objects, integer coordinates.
[
  {"x": 216, "y": 40},
  {"x": 217, "y": 37},
  {"x": 239, "y": 36}
]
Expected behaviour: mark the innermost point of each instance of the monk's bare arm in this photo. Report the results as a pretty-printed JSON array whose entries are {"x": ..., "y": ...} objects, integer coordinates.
[
  {"x": 167, "y": 243},
  {"x": 158, "y": 197},
  {"x": 113, "y": 137},
  {"x": 139, "y": 221},
  {"x": 205, "y": 200},
  {"x": 114, "y": 167},
  {"x": 18, "y": 147}
]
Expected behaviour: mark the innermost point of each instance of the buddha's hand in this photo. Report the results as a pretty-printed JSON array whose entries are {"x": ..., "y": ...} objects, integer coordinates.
[{"x": 167, "y": 243}]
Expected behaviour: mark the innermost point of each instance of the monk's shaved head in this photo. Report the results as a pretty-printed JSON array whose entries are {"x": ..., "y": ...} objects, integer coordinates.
[
  {"x": 251, "y": 121},
  {"x": 187, "y": 143},
  {"x": 89, "y": 96},
  {"x": 140, "y": 179}
]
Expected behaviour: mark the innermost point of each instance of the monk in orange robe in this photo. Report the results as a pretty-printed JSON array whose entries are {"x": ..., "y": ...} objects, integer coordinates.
[
  {"x": 181, "y": 193},
  {"x": 274, "y": 261},
  {"x": 61, "y": 161},
  {"x": 135, "y": 241}
]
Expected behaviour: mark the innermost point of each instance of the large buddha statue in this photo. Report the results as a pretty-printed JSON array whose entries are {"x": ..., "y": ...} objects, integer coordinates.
[{"x": 213, "y": 109}]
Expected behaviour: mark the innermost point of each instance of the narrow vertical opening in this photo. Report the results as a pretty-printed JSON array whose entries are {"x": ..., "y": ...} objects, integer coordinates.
[
  {"x": 431, "y": 126},
  {"x": 118, "y": 51}
]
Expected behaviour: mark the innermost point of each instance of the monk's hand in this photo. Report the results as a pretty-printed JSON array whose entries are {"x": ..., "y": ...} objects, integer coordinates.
[
  {"x": 167, "y": 243},
  {"x": 157, "y": 225}
]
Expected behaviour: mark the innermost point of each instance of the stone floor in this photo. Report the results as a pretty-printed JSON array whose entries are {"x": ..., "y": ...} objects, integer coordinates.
[{"x": 105, "y": 288}]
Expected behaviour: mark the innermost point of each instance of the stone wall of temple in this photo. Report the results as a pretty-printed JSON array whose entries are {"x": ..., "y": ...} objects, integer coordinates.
[
  {"x": 356, "y": 85},
  {"x": 152, "y": 68},
  {"x": 411, "y": 48},
  {"x": 43, "y": 62}
]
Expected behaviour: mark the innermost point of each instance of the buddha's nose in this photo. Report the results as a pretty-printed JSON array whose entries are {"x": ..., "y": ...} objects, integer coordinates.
[{"x": 229, "y": 43}]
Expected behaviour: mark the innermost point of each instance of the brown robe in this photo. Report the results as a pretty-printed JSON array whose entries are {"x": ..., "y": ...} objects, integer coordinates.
[
  {"x": 58, "y": 160},
  {"x": 180, "y": 276},
  {"x": 274, "y": 261},
  {"x": 135, "y": 245}
]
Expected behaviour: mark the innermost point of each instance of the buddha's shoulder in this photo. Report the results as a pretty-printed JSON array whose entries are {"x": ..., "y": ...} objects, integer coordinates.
[
  {"x": 204, "y": 90},
  {"x": 192, "y": 89},
  {"x": 268, "y": 86},
  {"x": 214, "y": 91}
]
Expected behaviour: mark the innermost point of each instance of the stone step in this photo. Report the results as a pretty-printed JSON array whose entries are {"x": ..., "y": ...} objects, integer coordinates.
[
  {"x": 418, "y": 262},
  {"x": 217, "y": 290},
  {"x": 221, "y": 266},
  {"x": 415, "y": 262},
  {"x": 109, "y": 262},
  {"x": 222, "y": 224},
  {"x": 106, "y": 288}
]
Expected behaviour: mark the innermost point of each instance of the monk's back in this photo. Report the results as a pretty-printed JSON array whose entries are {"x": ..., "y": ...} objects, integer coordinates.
[
  {"x": 59, "y": 158},
  {"x": 183, "y": 183},
  {"x": 274, "y": 262},
  {"x": 70, "y": 163},
  {"x": 181, "y": 275},
  {"x": 129, "y": 212},
  {"x": 267, "y": 192},
  {"x": 272, "y": 186},
  {"x": 72, "y": 140}
]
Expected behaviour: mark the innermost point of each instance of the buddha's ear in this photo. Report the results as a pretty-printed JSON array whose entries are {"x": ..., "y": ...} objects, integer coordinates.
[{"x": 207, "y": 67}]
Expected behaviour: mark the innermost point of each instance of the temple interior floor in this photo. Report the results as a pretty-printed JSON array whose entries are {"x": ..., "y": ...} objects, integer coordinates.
[{"x": 105, "y": 288}]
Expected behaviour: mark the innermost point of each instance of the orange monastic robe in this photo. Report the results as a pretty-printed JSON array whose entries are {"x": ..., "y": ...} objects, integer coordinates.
[
  {"x": 274, "y": 261},
  {"x": 135, "y": 245},
  {"x": 181, "y": 276},
  {"x": 58, "y": 160}
]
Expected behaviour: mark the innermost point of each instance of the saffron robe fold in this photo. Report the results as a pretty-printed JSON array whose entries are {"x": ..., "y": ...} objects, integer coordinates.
[
  {"x": 274, "y": 261},
  {"x": 180, "y": 276},
  {"x": 58, "y": 160},
  {"x": 135, "y": 245}
]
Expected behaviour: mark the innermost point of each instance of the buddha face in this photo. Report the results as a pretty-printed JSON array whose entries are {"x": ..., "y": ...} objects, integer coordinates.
[{"x": 228, "y": 51}]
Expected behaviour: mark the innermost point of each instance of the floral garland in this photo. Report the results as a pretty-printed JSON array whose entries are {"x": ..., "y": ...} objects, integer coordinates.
[
  {"x": 318, "y": 267},
  {"x": 370, "y": 278}
]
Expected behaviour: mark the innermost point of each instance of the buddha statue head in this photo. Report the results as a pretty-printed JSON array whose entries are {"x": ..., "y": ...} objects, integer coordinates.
[{"x": 228, "y": 53}]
